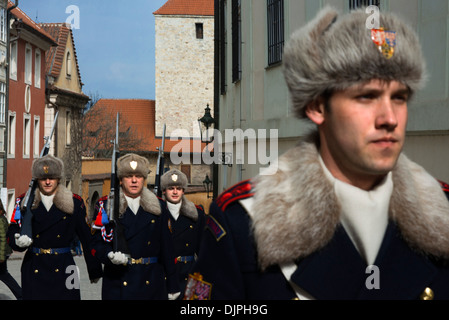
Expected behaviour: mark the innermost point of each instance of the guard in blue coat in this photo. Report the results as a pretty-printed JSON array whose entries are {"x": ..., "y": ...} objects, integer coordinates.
[
  {"x": 48, "y": 269},
  {"x": 344, "y": 214},
  {"x": 147, "y": 271},
  {"x": 186, "y": 223}
]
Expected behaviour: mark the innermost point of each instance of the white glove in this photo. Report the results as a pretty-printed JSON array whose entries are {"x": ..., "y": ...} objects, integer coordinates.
[
  {"x": 23, "y": 241},
  {"x": 173, "y": 296},
  {"x": 118, "y": 258}
]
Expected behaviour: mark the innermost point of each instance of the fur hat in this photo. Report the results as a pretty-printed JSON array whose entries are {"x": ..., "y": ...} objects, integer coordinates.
[
  {"x": 132, "y": 164},
  {"x": 334, "y": 52},
  {"x": 47, "y": 167},
  {"x": 173, "y": 178}
]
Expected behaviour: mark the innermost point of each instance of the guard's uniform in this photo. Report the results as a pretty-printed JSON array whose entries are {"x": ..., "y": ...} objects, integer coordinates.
[
  {"x": 230, "y": 257},
  {"x": 186, "y": 232},
  {"x": 150, "y": 272},
  {"x": 48, "y": 269}
]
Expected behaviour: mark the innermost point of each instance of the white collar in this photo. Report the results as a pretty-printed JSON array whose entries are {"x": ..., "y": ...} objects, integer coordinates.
[{"x": 364, "y": 214}]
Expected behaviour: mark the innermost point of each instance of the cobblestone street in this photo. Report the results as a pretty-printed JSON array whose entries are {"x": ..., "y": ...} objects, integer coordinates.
[{"x": 88, "y": 291}]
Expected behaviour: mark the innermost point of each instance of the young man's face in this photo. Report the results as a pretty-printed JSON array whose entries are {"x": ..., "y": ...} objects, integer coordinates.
[
  {"x": 174, "y": 194},
  {"x": 132, "y": 185},
  {"x": 362, "y": 132},
  {"x": 47, "y": 186}
]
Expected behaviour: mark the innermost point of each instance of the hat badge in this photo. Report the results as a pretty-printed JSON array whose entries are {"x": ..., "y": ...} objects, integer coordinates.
[
  {"x": 174, "y": 177},
  {"x": 45, "y": 169},
  {"x": 385, "y": 41},
  {"x": 133, "y": 165}
]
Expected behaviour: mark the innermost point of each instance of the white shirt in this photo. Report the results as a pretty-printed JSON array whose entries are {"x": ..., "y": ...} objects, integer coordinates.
[
  {"x": 364, "y": 214},
  {"x": 47, "y": 201},
  {"x": 133, "y": 203},
  {"x": 174, "y": 209}
]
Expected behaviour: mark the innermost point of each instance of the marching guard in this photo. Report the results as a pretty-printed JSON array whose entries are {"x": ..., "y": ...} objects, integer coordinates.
[
  {"x": 48, "y": 270},
  {"x": 186, "y": 223},
  {"x": 344, "y": 214},
  {"x": 147, "y": 270}
]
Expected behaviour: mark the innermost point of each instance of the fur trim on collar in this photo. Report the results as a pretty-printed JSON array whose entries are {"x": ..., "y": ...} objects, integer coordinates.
[
  {"x": 295, "y": 211},
  {"x": 63, "y": 199},
  {"x": 187, "y": 209},
  {"x": 148, "y": 201}
]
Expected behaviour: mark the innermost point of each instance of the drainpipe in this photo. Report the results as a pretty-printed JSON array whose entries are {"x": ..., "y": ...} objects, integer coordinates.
[{"x": 5, "y": 138}]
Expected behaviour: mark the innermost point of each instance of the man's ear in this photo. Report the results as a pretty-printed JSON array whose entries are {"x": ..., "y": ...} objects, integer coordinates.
[{"x": 315, "y": 111}]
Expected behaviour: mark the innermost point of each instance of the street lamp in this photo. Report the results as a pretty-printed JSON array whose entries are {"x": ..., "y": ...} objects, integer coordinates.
[
  {"x": 206, "y": 122},
  {"x": 207, "y": 183}
]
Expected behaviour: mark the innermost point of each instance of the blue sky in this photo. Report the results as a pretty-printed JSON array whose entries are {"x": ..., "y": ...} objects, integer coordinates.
[{"x": 114, "y": 43}]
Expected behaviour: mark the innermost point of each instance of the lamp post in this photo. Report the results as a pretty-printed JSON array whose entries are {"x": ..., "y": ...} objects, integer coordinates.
[
  {"x": 207, "y": 183},
  {"x": 206, "y": 122}
]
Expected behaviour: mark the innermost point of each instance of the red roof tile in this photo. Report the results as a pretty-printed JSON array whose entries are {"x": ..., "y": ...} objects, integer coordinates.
[
  {"x": 54, "y": 57},
  {"x": 187, "y": 7},
  {"x": 19, "y": 14}
]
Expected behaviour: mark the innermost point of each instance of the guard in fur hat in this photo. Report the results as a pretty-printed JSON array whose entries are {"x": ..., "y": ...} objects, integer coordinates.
[
  {"x": 59, "y": 216},
  {"x": 148, "y": 271},
  {"x": 186, "y": 222},
  {"x": 345, "y": 215}
]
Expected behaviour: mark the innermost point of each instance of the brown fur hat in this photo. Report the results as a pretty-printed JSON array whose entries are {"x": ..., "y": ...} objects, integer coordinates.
[
  {"x": 334, "y": 52},
  {"x": 47, "y": 167},
  {"x": 132, "y": 164}
]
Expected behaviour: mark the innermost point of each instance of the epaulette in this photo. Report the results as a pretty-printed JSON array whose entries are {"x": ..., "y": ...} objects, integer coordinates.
[
  {"x": 241, "y": 190},
  {"x": 103, "y": 198},
  {"x": 76, "y": 196},
  {"x": 200, "y": 207},
  {"x": 444, "y": 186}
]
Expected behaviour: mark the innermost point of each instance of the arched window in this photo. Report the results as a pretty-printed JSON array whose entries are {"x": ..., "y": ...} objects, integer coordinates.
[{"x": 68, "y": 64}]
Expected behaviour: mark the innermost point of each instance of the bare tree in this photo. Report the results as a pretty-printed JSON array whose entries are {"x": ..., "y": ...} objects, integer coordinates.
[{"x": 98, "y": 130}]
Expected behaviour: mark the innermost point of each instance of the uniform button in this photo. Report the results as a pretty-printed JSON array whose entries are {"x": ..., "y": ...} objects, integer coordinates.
[
  {"x": 58, "y": 236},
  {"x": 149, "y": 242},
  {"x": 125, "y": 283},
  {"x": 37, "y": 236},
  {"x": 187, "y": 244},
  {"x": 56, "y": 270},
  {"x": 427, "y": 294},
  {"x": 65, "y": 217},
  {"x": 36, "y": 271},
  {"x": 191, "y": 227},
  {"x": 296, "y": 298},
  {"x": 147, "y": 282},
  {"x": 152, "y": 221}
]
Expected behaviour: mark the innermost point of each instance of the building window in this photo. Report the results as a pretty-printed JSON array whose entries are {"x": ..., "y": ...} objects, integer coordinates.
[
  {"x": 275, "y": 27},
  {"x": 68, "y": 65},
  {"x": 199, "y": 30},
  {"x": 68, "y": 127},
  {"x": 26, "y": 135},
  {"x": 36, "y": 136},
  {"x": 13, "y": 61},
  {"x": 3, "y": 24},
  {"x": 28, "y": 62},
  {"x": 2, "y": 102},
  {"x": 236, "y": 41},
  {"x": 11, "y": 134},
  {"x": 355, "y": 4},
  {"x": 37, "y": 68},
  {"x": 11, "y": 202},
  {"x": 223, "y": 33}
]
